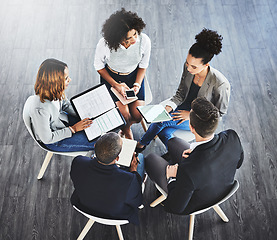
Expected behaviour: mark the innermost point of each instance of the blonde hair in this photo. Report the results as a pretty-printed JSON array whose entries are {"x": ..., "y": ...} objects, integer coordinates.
[{"x": 50, "y": 82}]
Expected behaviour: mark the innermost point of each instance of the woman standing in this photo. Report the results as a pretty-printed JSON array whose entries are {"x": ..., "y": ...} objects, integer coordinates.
[
  {"x": 121, "y": 59},
  {"x": 54, "y": 122},
  {"x": 199, "y": 79}
]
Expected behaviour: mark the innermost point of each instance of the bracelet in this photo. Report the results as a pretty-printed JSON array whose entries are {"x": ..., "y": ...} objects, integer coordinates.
[
  {"x": 72, "y": 130},
  {"x": 136, "y": 85}
]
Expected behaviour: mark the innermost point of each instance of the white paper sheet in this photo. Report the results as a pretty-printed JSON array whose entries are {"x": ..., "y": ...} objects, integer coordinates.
[
  {"x": 126, "y": 154},
  {"x": 104, "y": 123},
  {"x": 93, "y": 103}
]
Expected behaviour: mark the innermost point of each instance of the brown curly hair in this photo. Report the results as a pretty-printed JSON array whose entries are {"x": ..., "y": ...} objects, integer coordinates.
[
  {"x": 117, "y": 26},
  {"x": 50, "y": 82}
]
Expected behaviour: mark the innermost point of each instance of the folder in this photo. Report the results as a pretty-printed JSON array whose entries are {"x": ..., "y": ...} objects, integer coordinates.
[{"x": 97, "y": 104}]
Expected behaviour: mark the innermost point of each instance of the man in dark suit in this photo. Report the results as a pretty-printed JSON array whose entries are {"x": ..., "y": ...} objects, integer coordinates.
[
  {"x": 203, "y": 172},
  {"x": 101, "y": 188}
]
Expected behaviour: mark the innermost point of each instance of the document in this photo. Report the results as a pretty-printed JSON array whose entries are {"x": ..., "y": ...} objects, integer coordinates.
[
  {"x": 96, "y": 103},
  {"x": 127, "y": 151},
  {"x": 154, "y": 113}
]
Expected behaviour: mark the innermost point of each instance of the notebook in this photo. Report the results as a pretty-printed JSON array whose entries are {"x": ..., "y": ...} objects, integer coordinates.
[{"x": 127, "y": 151}]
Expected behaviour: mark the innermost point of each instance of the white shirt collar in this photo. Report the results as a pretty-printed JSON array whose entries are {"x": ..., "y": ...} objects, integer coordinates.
[{"x": 195, "y": 144}]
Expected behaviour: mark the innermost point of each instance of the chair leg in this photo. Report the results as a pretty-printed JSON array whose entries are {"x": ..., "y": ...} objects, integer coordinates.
[
  {"x": 85, "y": 229},
  {"x": 144, "y": 125},
  {"x": 119, "y": 232},
  {"x": 45, "y": 164},
  {"x": 158, "y": 201},
  {"x": 220, "y": 213},
  {"x": 191, "y": 226}
]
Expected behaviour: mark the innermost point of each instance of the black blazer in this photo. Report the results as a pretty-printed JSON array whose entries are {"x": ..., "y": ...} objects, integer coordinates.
[
  {"x": 207, "y": 175},
  {"x": 105, "y": 190}
]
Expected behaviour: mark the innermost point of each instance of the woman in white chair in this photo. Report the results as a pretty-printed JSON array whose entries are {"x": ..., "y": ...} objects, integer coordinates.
[
  {"x": 54, "y": 122},
  {"x": 121, "y": 59},
  {"x": 199, "y": 79}
]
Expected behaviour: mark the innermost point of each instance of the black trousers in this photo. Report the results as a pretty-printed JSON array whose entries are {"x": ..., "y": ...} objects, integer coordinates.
[{"x": 155, "y": 165}]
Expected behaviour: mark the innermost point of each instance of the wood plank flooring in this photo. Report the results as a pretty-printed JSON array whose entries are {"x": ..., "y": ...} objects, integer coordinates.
[{"x": 33, "y": 30}]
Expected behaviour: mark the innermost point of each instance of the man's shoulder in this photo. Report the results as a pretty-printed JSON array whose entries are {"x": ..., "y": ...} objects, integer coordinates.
[
  {"x": 81, "y": 161},
  {"x": 81, "y": 158},
  {"x": 227, "y": 138},
  {"x": 229, "y": 134},
  {"x": 125, "y": 174}
]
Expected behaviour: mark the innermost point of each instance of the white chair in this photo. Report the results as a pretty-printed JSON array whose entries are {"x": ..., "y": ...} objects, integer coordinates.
[
  {"x": 148, "y": 100},
  {"x": 103, "y": 221},
  {"x": 27, "y": 120},
  {"x": 192, "y": 215},
  {"x": 159, "y": 199}
]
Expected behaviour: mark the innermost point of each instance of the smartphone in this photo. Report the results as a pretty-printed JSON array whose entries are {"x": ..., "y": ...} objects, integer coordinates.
[{"x": 130, "y": 94}]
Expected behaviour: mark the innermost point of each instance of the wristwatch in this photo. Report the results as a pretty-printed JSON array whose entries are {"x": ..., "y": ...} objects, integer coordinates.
[{"x": 170, "y": 179}]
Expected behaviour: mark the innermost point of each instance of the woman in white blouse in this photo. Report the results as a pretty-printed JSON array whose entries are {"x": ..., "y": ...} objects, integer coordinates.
[{"x": 121, "y": 59}]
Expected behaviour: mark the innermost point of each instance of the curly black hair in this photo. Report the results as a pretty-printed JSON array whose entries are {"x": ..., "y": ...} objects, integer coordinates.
[
  {"x": 117, "y": 26},
  {"x": 208, "y": 43}
]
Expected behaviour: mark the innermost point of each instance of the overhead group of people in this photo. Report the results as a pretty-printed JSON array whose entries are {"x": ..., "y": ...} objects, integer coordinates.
[{"x": 193, "y": 175}]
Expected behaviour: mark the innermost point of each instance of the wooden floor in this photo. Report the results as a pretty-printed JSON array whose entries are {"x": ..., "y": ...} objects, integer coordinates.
[{"x": 33, "y": 30}]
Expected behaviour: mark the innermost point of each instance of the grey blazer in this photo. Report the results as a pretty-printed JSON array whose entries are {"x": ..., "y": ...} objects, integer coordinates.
[
  {"x": 216, "y": 88},
  {"x": 47, "y": 120}
]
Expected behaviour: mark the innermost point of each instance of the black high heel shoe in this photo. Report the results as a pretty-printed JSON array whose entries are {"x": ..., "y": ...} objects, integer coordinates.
[{"x": 139, "y": 150}]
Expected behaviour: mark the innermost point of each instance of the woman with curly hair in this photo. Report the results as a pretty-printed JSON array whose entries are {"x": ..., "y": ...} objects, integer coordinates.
[
  {"x": 54, "y": 122},
  {"x": 121, "y": 59},
  {"x": 199, "y": 79}
]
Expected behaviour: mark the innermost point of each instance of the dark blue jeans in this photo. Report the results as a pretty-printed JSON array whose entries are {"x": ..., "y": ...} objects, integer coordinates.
[{"x": 78, "y": 141}]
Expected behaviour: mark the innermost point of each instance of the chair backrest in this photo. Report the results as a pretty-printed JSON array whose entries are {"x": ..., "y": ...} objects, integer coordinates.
[
  {"x": 188, "y": 136},
  {"x": 148, "y": 93},
  {"x": 161, "y": 190},
  {"x": 104, "y": 221},
  {"x": 27, "y": 120},
  {"x": 232, "y": 191},
  {"x": 26, "y": 116}
]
